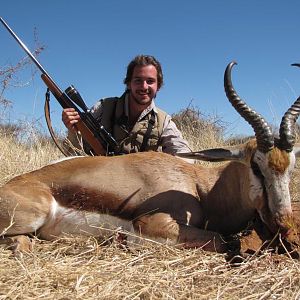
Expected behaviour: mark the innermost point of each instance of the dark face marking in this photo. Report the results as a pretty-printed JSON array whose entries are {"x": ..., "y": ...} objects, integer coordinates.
[{"x": 256, "y": 170}]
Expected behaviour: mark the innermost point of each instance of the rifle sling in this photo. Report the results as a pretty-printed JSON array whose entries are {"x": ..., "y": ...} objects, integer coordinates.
[
  {"x": 49, "y": 124},
  {"x": 148, "y": 132}
]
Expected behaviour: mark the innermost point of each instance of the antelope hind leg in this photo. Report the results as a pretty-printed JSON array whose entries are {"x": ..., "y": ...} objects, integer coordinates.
[
  {"x": 18, "y": 244},
  {"x": 21, "y": 213},
  {"x": 161, "y": 226}
]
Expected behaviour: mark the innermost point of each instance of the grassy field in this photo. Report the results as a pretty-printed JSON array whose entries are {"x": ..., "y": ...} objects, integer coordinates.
[{"x": 87, "y": 268}]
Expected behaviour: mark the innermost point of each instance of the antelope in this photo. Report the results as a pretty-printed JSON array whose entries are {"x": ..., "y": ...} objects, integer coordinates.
[{"x": 158, "y": 195}]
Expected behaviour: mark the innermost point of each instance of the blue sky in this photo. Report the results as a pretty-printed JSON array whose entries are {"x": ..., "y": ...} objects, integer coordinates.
[{"x": 89, "y": 44}]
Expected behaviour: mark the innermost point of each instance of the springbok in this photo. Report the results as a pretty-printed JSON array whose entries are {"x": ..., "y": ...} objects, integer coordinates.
[{"x": 158, "y": 195}]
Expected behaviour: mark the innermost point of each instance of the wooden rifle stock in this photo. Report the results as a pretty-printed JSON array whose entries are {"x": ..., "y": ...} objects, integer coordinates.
[{"x": 80, "y": 127}]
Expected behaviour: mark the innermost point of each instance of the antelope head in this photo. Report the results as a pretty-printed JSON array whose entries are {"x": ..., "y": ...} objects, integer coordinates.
[{"x": 271, "y": 159}]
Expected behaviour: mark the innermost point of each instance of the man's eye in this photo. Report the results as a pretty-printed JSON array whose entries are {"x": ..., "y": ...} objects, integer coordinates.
[{"x": 150, "y": 81}]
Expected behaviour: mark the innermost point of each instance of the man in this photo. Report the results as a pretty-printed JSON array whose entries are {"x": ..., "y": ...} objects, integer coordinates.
[{"x": 133, "y": 119}]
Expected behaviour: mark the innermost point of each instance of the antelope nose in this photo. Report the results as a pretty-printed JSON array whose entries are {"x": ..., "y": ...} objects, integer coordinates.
[{"x": 284, "y": 222}]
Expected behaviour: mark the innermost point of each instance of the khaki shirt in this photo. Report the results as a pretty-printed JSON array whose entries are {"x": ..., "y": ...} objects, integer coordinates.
[{"x": 171, "y": 138}]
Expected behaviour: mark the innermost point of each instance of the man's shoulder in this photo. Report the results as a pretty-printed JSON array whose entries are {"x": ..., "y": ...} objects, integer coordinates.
[
  {"x": 109, "y": 99},
  {"x": 104, "y": 104},
  {"x": 161, "y": 113},
  {"x": 159, "y": 109},
  {"x": 109, "y": 102}
]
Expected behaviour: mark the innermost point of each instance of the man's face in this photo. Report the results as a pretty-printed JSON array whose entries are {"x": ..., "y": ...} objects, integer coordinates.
[{"x": 143, "y": 85}]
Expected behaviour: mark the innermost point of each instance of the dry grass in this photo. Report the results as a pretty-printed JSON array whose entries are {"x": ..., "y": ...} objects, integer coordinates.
[
  {"x": 295, "y": 183},
  {"x": 83, "y": 268},
  {"x": 18, "y": 157},
  {"x": 202, "y": 132}
]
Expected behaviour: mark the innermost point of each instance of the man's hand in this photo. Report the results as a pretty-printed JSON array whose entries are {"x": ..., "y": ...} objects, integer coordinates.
[{"x": 70, "y": 117}]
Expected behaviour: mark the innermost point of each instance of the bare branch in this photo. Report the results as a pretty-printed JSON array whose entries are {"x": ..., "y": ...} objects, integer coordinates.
[{"x": 10, "y": 74}]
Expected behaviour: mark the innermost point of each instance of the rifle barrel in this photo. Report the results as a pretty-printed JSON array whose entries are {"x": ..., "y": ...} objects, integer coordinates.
[
  {"x": 24, "y": 47},
  {"x": 90, "y": 127}
]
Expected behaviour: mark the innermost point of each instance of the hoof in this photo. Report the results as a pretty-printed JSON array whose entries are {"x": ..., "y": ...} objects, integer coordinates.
[{"x": 19, "y": 245}]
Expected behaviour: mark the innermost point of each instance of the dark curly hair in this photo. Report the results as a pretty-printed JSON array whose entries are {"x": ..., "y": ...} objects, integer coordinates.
[{"x": 144, "y": 60}]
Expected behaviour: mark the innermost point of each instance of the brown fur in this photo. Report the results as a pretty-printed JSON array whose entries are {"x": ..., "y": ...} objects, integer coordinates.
[
  {"x": 164, "y": 197},
  {"x": 278, "y": 160}
]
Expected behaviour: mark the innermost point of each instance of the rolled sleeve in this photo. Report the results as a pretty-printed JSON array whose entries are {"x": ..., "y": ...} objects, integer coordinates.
[{"x": 171, "y": 139}]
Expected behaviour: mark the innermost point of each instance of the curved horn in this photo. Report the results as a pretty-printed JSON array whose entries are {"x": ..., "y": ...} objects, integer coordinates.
[
  {"x": 263, "y": 133},
  {"x": 287, "y": 125}
]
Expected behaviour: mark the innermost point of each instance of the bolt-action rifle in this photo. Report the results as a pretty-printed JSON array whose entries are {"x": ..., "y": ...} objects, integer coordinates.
[{"x": 94, "y": 134}]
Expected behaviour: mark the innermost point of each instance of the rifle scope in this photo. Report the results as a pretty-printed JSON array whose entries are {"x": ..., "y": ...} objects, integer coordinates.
[{"x": 72, "y": 92}]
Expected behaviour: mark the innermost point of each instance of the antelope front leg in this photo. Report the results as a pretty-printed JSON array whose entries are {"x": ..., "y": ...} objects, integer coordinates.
[{"x": 162, "y": 226}]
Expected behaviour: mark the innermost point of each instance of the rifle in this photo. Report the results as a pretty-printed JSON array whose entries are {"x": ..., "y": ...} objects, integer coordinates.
[{"x": 93, "y": 133}]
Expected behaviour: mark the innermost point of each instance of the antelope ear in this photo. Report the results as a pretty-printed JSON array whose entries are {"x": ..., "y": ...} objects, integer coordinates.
[
  {"x": 297, "y": 150},
  {"x": 215, "y": 155}
]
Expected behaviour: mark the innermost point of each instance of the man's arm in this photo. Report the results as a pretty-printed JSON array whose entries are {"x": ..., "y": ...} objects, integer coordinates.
[
  {"x": 171, "y": 139},
  {"x": 74, "y": 143}
]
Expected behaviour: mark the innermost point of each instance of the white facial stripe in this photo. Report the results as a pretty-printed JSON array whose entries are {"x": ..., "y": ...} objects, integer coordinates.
[
  {"x": 278, "y": 189},
  {"x": 276, "y": 184},
  {"x": 292, "y": 161}
]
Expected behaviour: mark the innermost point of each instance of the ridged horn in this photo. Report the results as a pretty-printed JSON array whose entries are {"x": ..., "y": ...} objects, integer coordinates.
[
  {"x": 263, "y": 132},
  {"x": 287, "y": 125}
]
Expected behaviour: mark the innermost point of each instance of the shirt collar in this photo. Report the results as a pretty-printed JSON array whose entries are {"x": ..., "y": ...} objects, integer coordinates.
[{"x": 146, "y": 111}]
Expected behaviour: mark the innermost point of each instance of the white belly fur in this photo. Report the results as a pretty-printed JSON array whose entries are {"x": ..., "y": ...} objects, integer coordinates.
[{"x": 63, "y": 220}]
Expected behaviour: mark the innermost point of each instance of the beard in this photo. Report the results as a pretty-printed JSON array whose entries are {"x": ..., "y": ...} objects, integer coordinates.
[{"x": 143, "y": 100}]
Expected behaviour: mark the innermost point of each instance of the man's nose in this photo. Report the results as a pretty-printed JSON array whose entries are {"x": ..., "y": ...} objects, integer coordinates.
[{"x": 145, "y": 85}]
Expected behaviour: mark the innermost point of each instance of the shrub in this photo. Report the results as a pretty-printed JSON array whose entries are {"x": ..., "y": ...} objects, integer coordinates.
[{"x": 200, "y": 131}]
